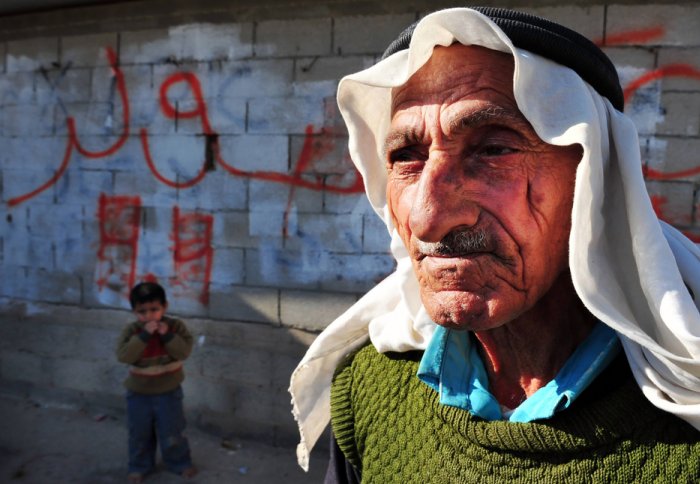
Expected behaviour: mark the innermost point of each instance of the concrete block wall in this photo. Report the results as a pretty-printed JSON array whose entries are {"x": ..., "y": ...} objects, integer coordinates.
[{"x": 211, "y": 157}]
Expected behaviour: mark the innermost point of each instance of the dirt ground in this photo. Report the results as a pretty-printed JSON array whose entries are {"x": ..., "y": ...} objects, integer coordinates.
[{"x": 47, "y": 444}]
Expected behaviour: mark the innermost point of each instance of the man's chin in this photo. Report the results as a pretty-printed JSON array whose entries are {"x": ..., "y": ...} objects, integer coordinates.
[{"x": 465, "y": 310}]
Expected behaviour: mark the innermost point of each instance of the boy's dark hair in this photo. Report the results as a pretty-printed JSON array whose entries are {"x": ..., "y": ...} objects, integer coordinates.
[{"x": 146, "y": 292}]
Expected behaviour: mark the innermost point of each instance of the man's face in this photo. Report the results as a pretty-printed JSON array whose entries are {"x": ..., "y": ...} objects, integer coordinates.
[{"x": 481, "y": 202}]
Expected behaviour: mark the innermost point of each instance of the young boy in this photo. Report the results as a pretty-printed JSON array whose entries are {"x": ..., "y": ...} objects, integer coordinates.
[{"x": 155, "y": 346}]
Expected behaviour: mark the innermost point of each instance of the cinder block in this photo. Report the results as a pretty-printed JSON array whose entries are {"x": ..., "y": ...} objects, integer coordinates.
[
  {"x": 87, "y": 50},
  {"x": 13, "y": 284},
  {"x": 270, "y": 266},
  {"x": 14, "y": 219},
  {"x": 253, "y": 79},
  {"x": 686, "y": 57},
  {"x": 98, "y": 124},
  {"x": 314, "y": 69},
  {"x": 368, "y": 34},
  {"x": 635, "y": 57},
  {"x": 20, "y": 183},
  {"x": 219, "y": 190},
  {"x": 75, "y": 253},
  {"x": 232, "y": 230},
  {"x": 178, "y": 158},
  {"x": 375, "y": 236},
  {"x": 284, "y": 115},
  {"x": 31, "y": 54},
  {"x": 95, "y": 344},
  {"x": 78, "y": 186},
  {"x": 54, "y": 286},
  {"x": 673, "y": 201},
  {"x": 227, "y": 116},
  {"x": 304, "y": 199},
  {"x": 315, "y": 89},
  {"x": 673, "y": 155},
  {"x": 282, "y": 38},
  {"x": 265, "y": 196},
  {"x": 312, "y": 310},
  {"x": 341, "y": 203},
  {"x": 206, "y": 396},
  {"x": 242, "y": 303},
  {"x": 588, "y": 21},
  {"x": 86, "y": 376},
  {"x": 16, "y": 88},
  {"x": 252, "y": 403},
  {"x": 148, "y": 114},
  {"x": 152, "y": 191},
  {"x": 128, "y": 158},
  {"x": 95, "y": 296},
  {"x": 354, "y": 273},
  {"x": 237, "y": 365},
  {"x": 29, "y": 250},
  {"x": 138, "y": 81},
  {"x": 324, "y": 152},
  {"x": 65, "y": 85},
  {"x": 681, "y": 114},
  {"x": 14, "y": 281},
  {"x": 199, "y": 42},
  {"x": 256, "y": 153},
  {"x": 328, "y": 233},
  {"x": 186, "y": 301},
  {"x": 228, "y": 266},
  {"x": 22, "y": 366},
  {"x": 155, "y": 242},
  {"x": 147, "y": 47},
  {"x": 234, "y": 407},
  {"x": 28, "y": 120},
  {"x": 644, "y": 108},
  {"x": 677, "y": 24},
  {"x": 271, "y": 226},
  {"x": 54, "y": 221}
]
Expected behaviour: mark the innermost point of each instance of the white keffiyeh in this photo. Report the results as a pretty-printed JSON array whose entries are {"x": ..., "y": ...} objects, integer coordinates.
[{"x": 630, "y": 270}]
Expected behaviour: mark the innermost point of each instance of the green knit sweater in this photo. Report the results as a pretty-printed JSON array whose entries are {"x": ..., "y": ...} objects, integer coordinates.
[{"x": 392, "y": 427}]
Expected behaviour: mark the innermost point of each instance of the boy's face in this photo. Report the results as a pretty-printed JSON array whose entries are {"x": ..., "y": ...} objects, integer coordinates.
[{"x": 150, "y": 311}]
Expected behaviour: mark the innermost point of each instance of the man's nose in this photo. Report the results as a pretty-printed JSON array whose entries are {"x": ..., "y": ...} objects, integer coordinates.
[{"x": 444, "y": 200}]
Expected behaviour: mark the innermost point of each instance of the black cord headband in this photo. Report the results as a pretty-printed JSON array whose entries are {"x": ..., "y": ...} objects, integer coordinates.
[{"x": 550, "y": 40}]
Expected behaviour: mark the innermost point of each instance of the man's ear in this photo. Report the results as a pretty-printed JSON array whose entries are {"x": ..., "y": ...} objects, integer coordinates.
[{"x": 165, "y": 306}]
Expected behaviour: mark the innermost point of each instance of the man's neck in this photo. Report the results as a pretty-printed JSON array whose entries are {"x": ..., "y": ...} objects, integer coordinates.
[{"x": 523, "y": 355}]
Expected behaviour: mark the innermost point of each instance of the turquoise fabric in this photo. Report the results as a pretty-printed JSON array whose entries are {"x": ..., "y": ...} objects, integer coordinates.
[{"x": 451, "y": 366}]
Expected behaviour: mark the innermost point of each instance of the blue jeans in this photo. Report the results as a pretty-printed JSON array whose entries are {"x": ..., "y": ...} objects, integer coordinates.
[{"x": 157, "y": 417}]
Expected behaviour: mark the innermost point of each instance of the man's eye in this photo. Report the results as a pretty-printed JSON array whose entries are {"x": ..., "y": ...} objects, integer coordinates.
[
  {"x": 406, "y": 154},
  {"x": 497, "y": 150}
]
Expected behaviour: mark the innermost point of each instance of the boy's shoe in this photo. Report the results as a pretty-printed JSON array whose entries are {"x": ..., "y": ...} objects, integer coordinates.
[
  {"x": 135, "y": 478},
  {"x": 190, "y": 472}
]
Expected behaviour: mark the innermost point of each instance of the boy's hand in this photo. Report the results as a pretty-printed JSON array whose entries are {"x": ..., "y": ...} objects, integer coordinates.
[
  {"x": 151, "y": 327},
  {"x": 162, "y": 327}
]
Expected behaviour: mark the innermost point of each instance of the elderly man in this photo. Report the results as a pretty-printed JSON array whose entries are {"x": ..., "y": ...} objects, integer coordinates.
[{"x": 493, "y": 145}]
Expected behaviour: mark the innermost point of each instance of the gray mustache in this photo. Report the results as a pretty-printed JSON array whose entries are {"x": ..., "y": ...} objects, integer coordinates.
[{"x": 456, "y": 243}]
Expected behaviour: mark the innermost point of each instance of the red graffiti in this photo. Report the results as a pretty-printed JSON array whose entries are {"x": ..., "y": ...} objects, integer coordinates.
[
  {"x": 74, "y": 143},
  {"x": 210, "y": 135},
  {"x": 119, "y": 218},
  {"x": 633, "y": 37},
  {"x": 192, "y": 252}
]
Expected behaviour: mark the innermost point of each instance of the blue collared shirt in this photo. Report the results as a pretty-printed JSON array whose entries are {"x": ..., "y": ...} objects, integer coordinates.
[{"x": 451, "y": 365}]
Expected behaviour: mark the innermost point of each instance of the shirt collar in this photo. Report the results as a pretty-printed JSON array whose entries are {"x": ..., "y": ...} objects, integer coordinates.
[{"x": 451, "y": 365}]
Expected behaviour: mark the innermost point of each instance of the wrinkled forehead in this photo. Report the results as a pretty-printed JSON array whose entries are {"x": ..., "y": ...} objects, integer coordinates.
[{"x": 454, "y": 72}]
